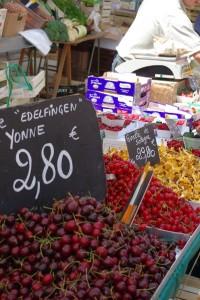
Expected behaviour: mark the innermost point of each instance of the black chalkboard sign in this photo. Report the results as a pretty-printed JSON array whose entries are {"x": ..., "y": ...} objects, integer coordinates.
[
  {"x": 47, "y": 150},
  {"x": 142, "y": 146}
]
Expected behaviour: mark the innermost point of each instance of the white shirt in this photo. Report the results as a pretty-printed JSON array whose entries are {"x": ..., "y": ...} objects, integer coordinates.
[{"x": 163, "y": 18}]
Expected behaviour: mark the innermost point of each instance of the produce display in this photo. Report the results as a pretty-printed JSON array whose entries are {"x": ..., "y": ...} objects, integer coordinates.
[
  {"x": 71, "y": 10},
  {"x": 69, "y": 28},
  {"x": 196, "y": 124},
  {"x": 56, "y": 31},
  {"x": 121, "y": 187},
  {"x": 161, "y": 126},
  {"x": 161, "y": 206},
  {"x": 113, "y": 123},
  {"x": 179, "y": 145},
  {"x": 179, "y": 170},
  {"x": 196, "y": 152},
  {"x": 78, "y": 250},
  {"x": 76, "y": 32},
  {"x": 175, "y": 145}
]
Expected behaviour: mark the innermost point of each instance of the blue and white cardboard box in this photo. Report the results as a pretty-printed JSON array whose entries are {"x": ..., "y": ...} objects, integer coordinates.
[
  {"x": 123, "y": 84},
  {"x": 111, "y": 101},
  {"x": 118, "y": 91}
]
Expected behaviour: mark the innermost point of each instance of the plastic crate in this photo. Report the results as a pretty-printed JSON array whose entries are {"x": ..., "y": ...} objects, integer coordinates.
[
  {"x": 34, "y": 20},
  {"x": 191, "y": 143},
  {"x": 168, "y": 287},
  {"x": 172, "y": 280},
  {"x": 71, "y": 90}
]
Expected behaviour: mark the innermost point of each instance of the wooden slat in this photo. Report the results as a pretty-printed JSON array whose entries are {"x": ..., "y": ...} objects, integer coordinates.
[
  {"x": 192, "y": 281},
  {"x": 186, "y": 296},
  {"x": 189, "y": 289}
]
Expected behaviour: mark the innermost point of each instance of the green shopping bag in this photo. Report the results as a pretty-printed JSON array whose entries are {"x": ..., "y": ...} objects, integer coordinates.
[{"x": 16, "y": 77}]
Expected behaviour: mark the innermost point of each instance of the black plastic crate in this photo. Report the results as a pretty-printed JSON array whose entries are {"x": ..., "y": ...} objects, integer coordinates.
[{"x": 71, "y": 89}]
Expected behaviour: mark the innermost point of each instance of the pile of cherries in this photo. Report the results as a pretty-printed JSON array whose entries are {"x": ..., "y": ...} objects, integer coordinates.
[
  {"x": 114, "y": 128},
  {"x": 161, "y": 207},
  {"x": 196, "y": 123},
  {"x": 114, "y": 117},
  {"x": 161, "y": 126},
  {"x": 196, "y": 152},
  {"x": 78, "y": 250},
  {"x": 175, "y": 144},
  {"x": 179, "y": 145},
  {"x": 120, "y": 188}
]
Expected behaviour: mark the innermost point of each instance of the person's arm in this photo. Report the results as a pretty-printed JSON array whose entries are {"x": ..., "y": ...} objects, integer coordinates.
[{"x": 181, "y": 31}]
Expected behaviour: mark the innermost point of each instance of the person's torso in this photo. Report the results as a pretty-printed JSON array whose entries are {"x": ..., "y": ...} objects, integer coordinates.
[{"x": 153, "y": 19}]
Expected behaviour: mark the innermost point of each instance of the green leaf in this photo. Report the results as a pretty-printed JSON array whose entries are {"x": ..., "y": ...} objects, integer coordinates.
[{"x": 71, "y": 10}]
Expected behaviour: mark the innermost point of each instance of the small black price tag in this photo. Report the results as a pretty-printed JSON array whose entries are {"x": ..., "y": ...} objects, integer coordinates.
[
  {"x": 142, "y": 146},
  {"x": 49, "y": 149}
]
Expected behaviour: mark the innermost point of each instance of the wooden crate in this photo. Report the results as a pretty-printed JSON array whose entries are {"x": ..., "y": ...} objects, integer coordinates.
[
  {"x": 80, "y": 60},
  {"x": 189, "y": 289},
  {"x": 120, "y": 21},
  {"x": 106, "y": 59}
]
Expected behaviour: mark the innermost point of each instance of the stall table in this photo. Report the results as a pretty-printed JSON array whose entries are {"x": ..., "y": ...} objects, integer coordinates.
[
  {"x": 65, "y": 58},
  {"x": 17, "y": 44},
  {"x": 13, "y": 44}
]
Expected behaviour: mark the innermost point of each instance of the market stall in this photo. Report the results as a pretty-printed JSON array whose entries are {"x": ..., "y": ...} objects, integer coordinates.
[{"x": 100, "y": 193}]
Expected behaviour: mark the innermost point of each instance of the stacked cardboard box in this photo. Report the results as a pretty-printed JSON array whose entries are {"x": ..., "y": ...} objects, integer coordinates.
[
  {"x": 106, "y": 9},
  {"x": 166, "y": 92},
  {"x": 118, "y": 92}
]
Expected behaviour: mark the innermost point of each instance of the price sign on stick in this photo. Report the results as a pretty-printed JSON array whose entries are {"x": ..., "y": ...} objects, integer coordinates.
[
  {"x": 134, "y": 204},
  {"x": 47, "y": 150},
  {"x": 142, "y": 146}
]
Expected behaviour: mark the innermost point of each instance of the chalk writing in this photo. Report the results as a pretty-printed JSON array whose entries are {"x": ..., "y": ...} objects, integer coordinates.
[
  {"x": 15, "y": 137},
  {"x": 142, "y": 146},
  {"x": 48, "y": 112}
]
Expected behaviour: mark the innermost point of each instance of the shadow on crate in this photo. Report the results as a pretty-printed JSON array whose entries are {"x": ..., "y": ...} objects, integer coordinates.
[{"x": 66, "y": 90}]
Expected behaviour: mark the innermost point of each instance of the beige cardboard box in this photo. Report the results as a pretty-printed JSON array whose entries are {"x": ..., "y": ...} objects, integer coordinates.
[
  {"x": 121, "y": 20},
  {"x": 164, "y": 91},
  {"x": 14, "y": 23}
]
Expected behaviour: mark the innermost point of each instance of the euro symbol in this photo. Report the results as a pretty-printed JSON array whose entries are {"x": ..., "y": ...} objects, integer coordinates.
[{"x": 73, "y": 134}]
